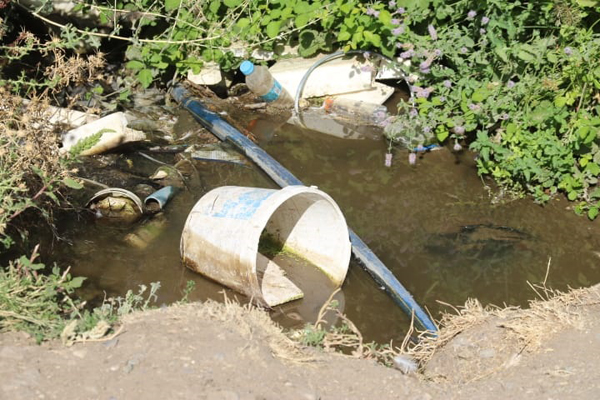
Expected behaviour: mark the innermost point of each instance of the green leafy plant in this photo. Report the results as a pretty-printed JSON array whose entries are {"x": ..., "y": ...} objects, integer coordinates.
[{"x": 36, "y": 302}]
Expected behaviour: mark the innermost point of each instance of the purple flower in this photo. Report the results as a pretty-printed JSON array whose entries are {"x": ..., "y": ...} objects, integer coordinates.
[
  {"x": 484, "y": 20},
  {"x": 568, "y": 51},
  {"x": 437, "y": 52},
  {"x": 421, "y": 92},
  {"x": 425, "y": 64},
  {"x": 426, "y": 129},
  {"x": 388, "y": 160},
  {"x": 432, "y": 32},
  {"x": 412, "y": 158},
  {"x": 504, "y": 116},
  {"x": 407, "y": 54},
  {"x": 425, "y": 70},
  {"x": 457, "y": 147},
  {"x": 392, "y": 4},
  {"x": 471, "y": 14},
  {"x": 373, "y": 12},
  {"x": 442, "y": 98},
  {"x": 398, "y": 31},
  {"x": 420, "y": 148},
  {"x": 459, "y": 130},
  {"x": 510, "y": 84},
  {"x": 463, "y": 50},
  {"x": 399, "y": 45},
  {"x": 395, "y": 21},
  {"x": 448, "y": 83},
  {"x": 413, "y": 112},
  {"x": 482, "y": 31},
  {"x": 400, "y": 10},
  {"x": 474, "y": 107}
]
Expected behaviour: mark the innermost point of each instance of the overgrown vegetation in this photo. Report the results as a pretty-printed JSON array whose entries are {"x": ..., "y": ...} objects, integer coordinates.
[
  {"x": 517, "y": 81},
  {"x": 40, "y": 301}
]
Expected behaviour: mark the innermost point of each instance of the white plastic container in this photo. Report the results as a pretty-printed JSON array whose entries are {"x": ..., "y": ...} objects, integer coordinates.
[
  {"x": 222, "y": 233},
  {"x": 355, "y": 110},
  {"x": 261, "y": 82}
]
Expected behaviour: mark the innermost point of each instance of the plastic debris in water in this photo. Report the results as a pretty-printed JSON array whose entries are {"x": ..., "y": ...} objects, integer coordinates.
[
  {"x": 405, "y": 364},
  {"x": 216, "y": 152},
  {"x": 388, "y": 160},
  {"x": 412, "y": 158}
]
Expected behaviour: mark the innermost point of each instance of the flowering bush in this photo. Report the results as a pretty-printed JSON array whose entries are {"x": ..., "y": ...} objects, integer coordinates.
[{"x": 519, "y": 81}]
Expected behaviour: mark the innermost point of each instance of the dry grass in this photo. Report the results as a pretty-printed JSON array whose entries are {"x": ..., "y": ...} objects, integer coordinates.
[
  {"x": 252, "y": 323},
  {"x": 528, "y": 328}
]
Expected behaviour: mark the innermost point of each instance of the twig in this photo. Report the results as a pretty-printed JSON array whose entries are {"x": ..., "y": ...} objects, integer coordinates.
[
  {"x": 117, "y": 37},
  {"x": 104, "y": 339}
]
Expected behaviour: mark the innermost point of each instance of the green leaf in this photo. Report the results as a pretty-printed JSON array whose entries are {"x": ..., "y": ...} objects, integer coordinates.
[
  {"x": 373, "y": 38},
  {"x": 301, "y": 7},
  {"x": 135, "y": 65},
  {"x": 593, "y": 168},
  {"x": 588, "y": 3},
  {"x": 441, "y": 134},
  {"x": 525, "y": 56},
  {"x": 232, "y": 3},
  {"x": 145, "y": 77},
  {"x": 308, "y": 42},
  {"x": 560, "y": 101},
  {"x": 302, "y": 20},
  {"x": 480, "y": 95},
  {"x": 344, "y": 36},
  {"x": 214, "y": 6},
  {"x": 385, "y": 17},
  {"x": 76, "y": 282},
  {"x": 243, "y": 22},
  {"x": 171, "y": 5},
  {"x": 572, "y": 195},
  {"x": 593, "y": 213},
  {"x": 501, "y": 52},
  {"x": 87, "y": 143},
  {"x": 273, "y": 29},
  {"x": 595, "y": 194},
  {"x": 72, "y": 183}
]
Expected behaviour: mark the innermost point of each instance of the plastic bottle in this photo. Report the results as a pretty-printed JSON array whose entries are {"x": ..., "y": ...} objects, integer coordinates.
[
  {"x": 356, "y": 110},
  {"x": 261, "y": 82}
]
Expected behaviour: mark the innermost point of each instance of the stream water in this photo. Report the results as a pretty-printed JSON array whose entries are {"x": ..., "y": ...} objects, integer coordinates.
[{"x": 434, "y": 225}]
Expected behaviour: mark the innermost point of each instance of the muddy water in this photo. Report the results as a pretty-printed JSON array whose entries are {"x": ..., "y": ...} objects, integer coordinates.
[{"x": 434, "y": 225}]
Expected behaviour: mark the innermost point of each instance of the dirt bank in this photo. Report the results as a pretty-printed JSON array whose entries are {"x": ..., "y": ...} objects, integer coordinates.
[{"x": 224, "y": 351}]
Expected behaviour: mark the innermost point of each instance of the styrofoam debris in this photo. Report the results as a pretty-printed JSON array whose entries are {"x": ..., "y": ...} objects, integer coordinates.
[
  {"x": 113, "y": 129},
  {"x": 331, "y": 78},
  {"x": 209, "y": 75}
]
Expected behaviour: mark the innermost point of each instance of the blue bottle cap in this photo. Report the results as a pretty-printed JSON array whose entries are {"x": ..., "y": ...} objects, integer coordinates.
[{"x": 247, "y": 67}]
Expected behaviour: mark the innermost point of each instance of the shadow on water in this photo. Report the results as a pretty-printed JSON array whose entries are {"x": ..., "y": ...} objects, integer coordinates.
[{"x": 432, "y": 224}]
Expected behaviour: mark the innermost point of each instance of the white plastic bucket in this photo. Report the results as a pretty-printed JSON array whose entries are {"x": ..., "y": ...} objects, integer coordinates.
[{"x": 221, "y": 237}]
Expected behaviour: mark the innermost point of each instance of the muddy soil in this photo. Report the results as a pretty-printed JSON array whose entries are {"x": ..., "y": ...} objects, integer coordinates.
[{"x": 224, "y": 351}]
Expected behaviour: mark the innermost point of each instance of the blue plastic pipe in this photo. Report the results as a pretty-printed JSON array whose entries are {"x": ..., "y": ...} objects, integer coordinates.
[
  {"x": 283, "y": 177},
  {"x": 161, "y": 197}
]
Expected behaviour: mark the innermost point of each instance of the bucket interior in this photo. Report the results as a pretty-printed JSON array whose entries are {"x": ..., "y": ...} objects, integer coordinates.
[{"x": 308, "y": 227}]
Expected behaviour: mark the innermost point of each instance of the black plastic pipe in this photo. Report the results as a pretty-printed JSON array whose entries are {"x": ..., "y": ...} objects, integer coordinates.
[{"x": 369, "y": 261}]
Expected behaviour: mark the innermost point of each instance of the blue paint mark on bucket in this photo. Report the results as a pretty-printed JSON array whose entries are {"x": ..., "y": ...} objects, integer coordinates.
[{"x": 244, "y": 206}]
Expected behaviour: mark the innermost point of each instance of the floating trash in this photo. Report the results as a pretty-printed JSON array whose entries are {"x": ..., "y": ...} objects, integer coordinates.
[
  {"x": 222, "y": 233},
  {"x": 216, "y": 152},
  {"x": 116, "y": 205},
  {"x": 157, "y": 200},
  {"x": 145, "y": 234}
]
